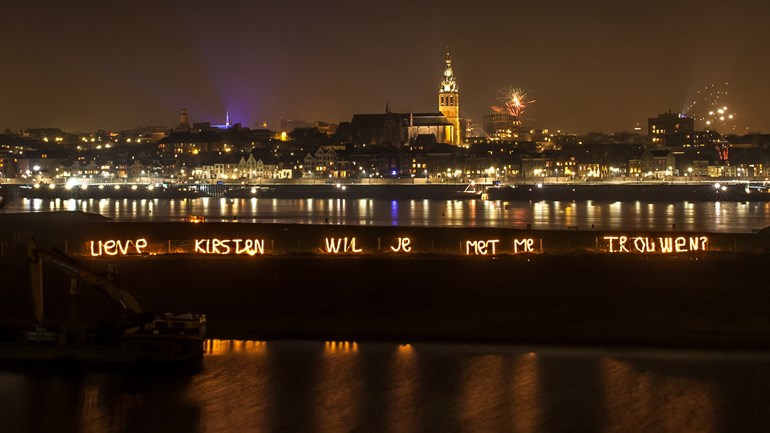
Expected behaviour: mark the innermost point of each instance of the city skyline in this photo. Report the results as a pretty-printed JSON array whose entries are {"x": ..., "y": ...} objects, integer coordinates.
[{"x": 591, "y": 67}]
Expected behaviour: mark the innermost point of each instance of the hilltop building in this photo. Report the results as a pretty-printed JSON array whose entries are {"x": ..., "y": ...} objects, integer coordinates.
[{"x": 403, "y": 129}]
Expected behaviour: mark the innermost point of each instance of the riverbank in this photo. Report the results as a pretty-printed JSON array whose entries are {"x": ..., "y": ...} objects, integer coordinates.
[
  {"x": 467, "y": 285},
  {"x": 397, "y": 189},
  {"x": 718, "y": 301}
]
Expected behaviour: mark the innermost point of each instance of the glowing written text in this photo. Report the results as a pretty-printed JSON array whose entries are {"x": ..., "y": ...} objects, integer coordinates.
[
  {"x": 341, "y": 245},
  {"x": 403, "y": 245},
  {"x": 230, "y": 246},
  {"x": 114, "y": 248},
  {"x": 667, "y": 244}
]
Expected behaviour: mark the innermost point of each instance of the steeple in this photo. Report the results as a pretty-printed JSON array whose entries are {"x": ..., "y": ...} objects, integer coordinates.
[
  {"x": 449, "y": 103},
  {"x": 183, "y": 119},
  {"x": 184, "y": 122},
  {"x": 448, "y": 83}
]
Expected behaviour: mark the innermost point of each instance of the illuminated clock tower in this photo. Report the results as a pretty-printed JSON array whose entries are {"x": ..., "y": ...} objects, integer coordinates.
[{"x": 449, "y": 103}]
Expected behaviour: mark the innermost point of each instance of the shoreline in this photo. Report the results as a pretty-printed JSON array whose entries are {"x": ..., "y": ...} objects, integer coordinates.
[
  {"x": 716, "y": 190},
  {"x": 713, "y": 303},
  {"x": 568, "y": 295}
]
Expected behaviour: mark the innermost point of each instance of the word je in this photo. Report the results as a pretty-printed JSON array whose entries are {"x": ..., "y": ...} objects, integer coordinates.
[{"x": 403, "y": 244}]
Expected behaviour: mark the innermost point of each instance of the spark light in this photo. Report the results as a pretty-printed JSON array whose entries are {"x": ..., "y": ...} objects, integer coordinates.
[
  {"x": 513, "y": 101},
  {"x": 710, "y": 108}
]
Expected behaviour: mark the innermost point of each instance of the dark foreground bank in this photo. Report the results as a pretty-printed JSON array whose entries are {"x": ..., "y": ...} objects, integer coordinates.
[{"x": 713, "y": 300}]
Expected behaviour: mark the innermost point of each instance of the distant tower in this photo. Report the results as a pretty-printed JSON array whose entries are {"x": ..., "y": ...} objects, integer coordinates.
[
  {"x": 227, "y": 119},
  {"x": 184, "y": 122},
  {"x": 449, "y": 102}
]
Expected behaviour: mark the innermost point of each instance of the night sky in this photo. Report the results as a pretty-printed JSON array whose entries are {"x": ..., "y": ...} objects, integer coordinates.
[{"x": 590, "y": 66}]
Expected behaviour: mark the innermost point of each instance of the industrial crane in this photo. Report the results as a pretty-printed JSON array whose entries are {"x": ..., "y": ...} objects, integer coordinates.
[{"x": 162, "y": 338}]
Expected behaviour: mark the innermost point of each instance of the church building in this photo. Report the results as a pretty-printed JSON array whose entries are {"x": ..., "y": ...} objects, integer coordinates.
[{"x": 401, "y": 129}]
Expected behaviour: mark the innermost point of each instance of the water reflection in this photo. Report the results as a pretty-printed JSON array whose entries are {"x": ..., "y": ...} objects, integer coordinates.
[
  {"x": 686, "y": 216},
  {"x": 525, "y": 401},
  {"x": 635, "y": 396},
  {"x": 402, "y": 407},
  {"x": 481, "y": 402},
  {"x": 230, "y": 347},
  {"x": 338, "y": 387},
  {"x": 283, "y": 386}
]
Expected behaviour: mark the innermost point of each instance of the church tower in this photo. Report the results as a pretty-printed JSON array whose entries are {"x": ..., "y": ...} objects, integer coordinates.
[
  {"x": 184, "y": 122},
  {"x": 449, "y": 103}
]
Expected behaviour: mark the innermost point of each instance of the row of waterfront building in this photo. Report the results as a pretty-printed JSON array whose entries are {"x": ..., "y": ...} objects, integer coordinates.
[
  {"x": 435, "y": 145},
  {"x": 243, "y": 155}
]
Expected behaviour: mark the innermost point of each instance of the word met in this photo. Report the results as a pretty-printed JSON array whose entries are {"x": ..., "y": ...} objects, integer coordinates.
[
  {"x": 116, "y": 247},
  {"x": 481, "y": 247}
]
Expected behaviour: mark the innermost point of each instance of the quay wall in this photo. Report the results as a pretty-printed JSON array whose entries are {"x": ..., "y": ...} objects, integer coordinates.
[
  {"x": 572, "y": 292},
  {"x": 100, "y": 237}
]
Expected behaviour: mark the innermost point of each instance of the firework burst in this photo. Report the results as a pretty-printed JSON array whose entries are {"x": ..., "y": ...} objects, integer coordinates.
[
  {"x": 710, "y": 107},
  {"x": 512, "y": 101}
]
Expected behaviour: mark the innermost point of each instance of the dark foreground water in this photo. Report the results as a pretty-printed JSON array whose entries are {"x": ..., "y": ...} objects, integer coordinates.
[
  {"x": 247, "y": 386},
  {"x": 734, "y": 217}
]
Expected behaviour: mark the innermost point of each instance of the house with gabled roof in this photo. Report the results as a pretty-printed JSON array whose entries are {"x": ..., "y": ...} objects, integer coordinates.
[{"x": 658, "y": 163}]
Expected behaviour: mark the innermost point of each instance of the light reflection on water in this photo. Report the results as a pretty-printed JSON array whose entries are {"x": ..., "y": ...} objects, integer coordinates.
[
  {"x": 686, "y": 216},
  {"x": 680, "y": 395},
  {"x": 283, "y": 386},
  {"x": 427, "y": 387}
]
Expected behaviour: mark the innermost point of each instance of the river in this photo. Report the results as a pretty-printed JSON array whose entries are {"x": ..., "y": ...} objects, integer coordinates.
[
  {"x": 303, "y": 386},
  {"x": 296, "y": 386},
  {"x": 738, "y": 217}
]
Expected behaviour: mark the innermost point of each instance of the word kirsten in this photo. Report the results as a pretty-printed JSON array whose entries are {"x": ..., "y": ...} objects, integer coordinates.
[{"x": 230, "y": 246}]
